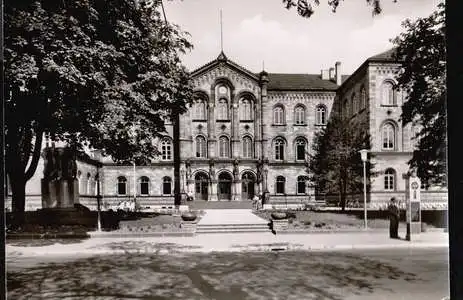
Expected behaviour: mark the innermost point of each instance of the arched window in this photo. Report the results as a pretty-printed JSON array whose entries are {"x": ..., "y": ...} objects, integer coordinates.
[
  {"x": 247, "y": 147},
  {"x": 280, "y": 185},
  {"x": 389, "y": 180},
  {"x": 96, "y": 180},
  {"x": 355, "y": 104},
  {"x": 320, "y": 115},
  {"x": 363, "y": 97},
  {"x": 201, "y": 147},
  {"x": 246, "y": 109},
  {"x": 388, "y": 136},
  {"x": 299, "y": 115},
  {"x": 300, "y": 149},
  {"x": 388, "y": 93},
  {"x": 81, "y": 182},
  {"x": 121, "y": 185},
  {"x": 89, "y": 184},
  {"x": 144, "y": 185},
  {"x": 222, "y": 110},
  {"x": 345, "y": 109},
  {"x": 200, "y": 110},
  {"x": 166, "y": 149},
  {"x": 301, "y": 184},
  {"x": 279, "y": 149},
  {"x": 166, "y": 185},
  {"x": 278, "y": 115},
  {"x": 224, "y": 147}
]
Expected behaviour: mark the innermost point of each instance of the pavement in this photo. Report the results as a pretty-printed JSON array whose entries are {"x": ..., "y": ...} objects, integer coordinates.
[
  {"x": 230, "y": 216},
  {"x": 233, "y": 242}
]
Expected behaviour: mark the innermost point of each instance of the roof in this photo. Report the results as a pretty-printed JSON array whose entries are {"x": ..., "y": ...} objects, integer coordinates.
[
  {"x": 223, "y": 58},
  {"x": 277, "y": 81},
  {"x": 285, "y": 81},
  {"x": 386, "y": 56}
]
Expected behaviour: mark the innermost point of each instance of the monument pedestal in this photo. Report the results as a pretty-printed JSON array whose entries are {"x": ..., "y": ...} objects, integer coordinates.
[{"x": 59, "y": 193}]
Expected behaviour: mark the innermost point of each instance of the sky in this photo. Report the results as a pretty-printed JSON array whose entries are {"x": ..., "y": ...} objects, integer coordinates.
[{"x": 261, "y": 34}]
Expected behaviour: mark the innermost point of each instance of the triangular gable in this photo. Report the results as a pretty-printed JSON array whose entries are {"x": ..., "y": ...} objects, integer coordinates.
[{"x": 222, "y": 60}]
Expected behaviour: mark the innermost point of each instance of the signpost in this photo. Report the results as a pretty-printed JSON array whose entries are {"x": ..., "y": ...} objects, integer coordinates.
[{"x": 413, "y": 200}]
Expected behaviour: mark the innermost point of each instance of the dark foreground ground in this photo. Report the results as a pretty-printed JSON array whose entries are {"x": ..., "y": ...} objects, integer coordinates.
[{"x": 372, "y": 274}]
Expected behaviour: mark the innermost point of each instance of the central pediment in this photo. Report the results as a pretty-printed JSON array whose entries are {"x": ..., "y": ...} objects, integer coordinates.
[{"x": 205, "y": 76}]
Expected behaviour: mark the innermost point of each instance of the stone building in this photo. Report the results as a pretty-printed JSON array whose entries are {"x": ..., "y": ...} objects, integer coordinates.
[
  {"x": 369, "y": 97},
  {"x": 247, "y": 133}
]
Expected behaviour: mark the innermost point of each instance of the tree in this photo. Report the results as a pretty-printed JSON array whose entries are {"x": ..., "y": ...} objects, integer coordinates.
[
  {"x": 335, "y": 165},
  {"x": 306, "y": 10},
  {"x": 421, "y": 49},
  {"x": 99, "y": 73}
]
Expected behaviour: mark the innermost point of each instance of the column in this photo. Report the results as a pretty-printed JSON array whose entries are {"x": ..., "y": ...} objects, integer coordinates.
[
  {"x": 263, "y": 99},
  {"x": 237, "y": 185}
]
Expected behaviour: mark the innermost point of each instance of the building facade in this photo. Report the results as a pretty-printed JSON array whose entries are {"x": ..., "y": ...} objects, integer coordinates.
[{"x": 248, "y": 133}]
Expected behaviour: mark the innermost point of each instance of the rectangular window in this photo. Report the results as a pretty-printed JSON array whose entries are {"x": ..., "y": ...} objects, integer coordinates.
[
  {"x": 389, "y": 182},
  {"x": 279, "y": 152},
  {"x": 166, "y": 188},
  {"x": 166, "y": 152},
  {"x": 144, "y": 188},
  {"x": 121, "y": 190},
  {"x": 280, "y": 187},
  {"x": 300, "y": 152},
  {"x": 301, "y": 187}
]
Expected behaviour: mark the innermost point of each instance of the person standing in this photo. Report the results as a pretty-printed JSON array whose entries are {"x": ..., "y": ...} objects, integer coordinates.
[{"x": 394, "y": 215}]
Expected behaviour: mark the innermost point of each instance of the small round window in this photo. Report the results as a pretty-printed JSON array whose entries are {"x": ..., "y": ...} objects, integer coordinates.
[{"x": 222, "y": 90}]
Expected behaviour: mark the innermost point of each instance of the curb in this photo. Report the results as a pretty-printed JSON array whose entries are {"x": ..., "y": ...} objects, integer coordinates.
[{"x": 243, "y": 248}]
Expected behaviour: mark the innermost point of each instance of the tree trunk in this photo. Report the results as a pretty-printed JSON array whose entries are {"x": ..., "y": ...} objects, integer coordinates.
[
  {"x": 176, "y": 136},
  {"x": 342, "y": 192},
  {"x": 18, "y": 201}
]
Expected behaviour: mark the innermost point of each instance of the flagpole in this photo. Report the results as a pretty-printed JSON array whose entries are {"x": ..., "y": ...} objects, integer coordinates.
[{"x": 221, "y": 32}]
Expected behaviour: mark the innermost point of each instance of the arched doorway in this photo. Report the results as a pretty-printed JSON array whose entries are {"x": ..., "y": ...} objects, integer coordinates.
[
  {"x": 201, "y": 185},
  {"x": 224, "y": 186},
  {"x": 248, "y": 181}
]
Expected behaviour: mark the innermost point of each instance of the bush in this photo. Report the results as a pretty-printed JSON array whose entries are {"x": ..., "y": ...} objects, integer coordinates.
[
  {"x": 279, "y": 215},
  {"x": 188, "y": 216},
  {"x": 307, "y": 223},
  {"x": 291, "y": 214}
]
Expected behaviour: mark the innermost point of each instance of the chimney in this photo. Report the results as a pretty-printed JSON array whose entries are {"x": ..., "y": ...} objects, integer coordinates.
[
  {"x": 332, "y": 75},
  {"x": 338, "y": 73},
  {"x": 325, "y": 75}
]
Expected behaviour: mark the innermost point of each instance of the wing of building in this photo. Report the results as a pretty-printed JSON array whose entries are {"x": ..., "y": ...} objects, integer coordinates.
[{"x": 248, "y": 133}]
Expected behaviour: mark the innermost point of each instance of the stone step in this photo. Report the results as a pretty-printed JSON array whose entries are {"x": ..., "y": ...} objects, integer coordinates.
[
  {"x": 233, "y": 225},
  {"x": 231, "y": 230}
]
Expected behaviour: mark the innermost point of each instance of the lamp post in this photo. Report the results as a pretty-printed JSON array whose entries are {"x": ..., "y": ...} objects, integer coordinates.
[
  {"x": 363, "y": 155},
  {"x": 182, "y": 173},
  {"x": 98, "y": 198},
  {"x": 266, "y": 185}
]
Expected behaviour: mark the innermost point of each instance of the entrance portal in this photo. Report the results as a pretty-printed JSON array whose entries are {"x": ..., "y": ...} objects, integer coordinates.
[
  {"x": 247, "y": 186},
  {"x": 201, "y": 184},
  {"x": 224, "y": 186}
]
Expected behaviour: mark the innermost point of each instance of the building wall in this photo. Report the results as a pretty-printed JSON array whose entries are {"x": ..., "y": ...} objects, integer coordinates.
[{"x": 263, "y": 132}]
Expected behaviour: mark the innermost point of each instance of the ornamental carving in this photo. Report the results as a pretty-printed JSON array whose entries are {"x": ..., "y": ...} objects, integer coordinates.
[{"x": 238, "y": 80}]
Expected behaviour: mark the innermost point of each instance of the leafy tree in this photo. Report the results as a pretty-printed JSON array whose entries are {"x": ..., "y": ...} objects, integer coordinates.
[
  {"x": 421, "y": 49},
  {"x": 99, "y": 73},
  {"x": 335, "y": 165},
  {"x": 305, "y": 9}
]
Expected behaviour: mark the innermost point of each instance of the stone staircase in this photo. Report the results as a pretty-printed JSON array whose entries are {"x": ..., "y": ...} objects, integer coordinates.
[{"x": 231, "y": 221}]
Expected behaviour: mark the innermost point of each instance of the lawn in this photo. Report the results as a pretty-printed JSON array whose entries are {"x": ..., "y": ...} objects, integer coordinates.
[{"x": 327, "y": 220}]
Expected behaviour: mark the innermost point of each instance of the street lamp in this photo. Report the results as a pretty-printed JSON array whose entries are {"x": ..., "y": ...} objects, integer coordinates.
[
  {"x": 363, "y": 155},
  {"x": 182, "y": 174}
]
